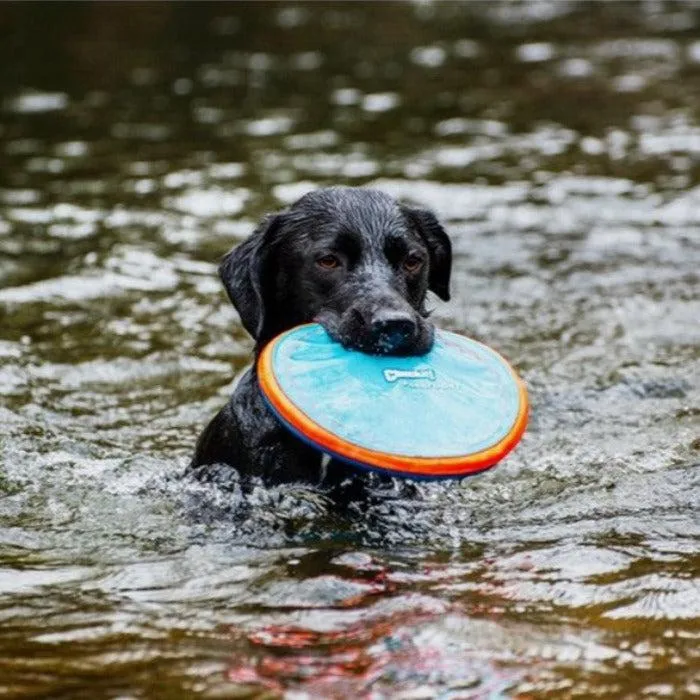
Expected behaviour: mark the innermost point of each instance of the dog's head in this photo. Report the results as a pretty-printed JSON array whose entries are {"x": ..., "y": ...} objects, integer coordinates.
[{"x": 352, "y": 259}]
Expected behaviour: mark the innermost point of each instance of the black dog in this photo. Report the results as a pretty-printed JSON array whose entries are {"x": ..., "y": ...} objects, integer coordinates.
[{"x": 351, "y": 259}]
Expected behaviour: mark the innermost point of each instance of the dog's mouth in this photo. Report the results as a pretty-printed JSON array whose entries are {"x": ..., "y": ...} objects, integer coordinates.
[{"x": 415, "y": 338}]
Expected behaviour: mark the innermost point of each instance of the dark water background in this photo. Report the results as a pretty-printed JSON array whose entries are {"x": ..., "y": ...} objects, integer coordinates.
[{"x": 560, "y": 144}]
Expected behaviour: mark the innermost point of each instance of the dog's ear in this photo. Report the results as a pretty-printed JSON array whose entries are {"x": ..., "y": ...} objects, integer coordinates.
[
  {"x": 439, "y": 247},
  {"x": 245, "y": 272}
]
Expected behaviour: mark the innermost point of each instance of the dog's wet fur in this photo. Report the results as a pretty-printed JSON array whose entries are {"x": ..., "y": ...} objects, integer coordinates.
[{"x": 352, "y": 259}]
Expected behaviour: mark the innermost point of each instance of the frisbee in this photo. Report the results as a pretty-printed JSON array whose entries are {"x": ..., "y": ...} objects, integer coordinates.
[{"x": 455, "y": 411}]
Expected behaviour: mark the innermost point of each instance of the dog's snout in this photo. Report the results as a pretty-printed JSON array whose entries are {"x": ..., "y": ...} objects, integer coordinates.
[
  {"x": 395, "y": 324},
  {"x": 382, "y": 330}
]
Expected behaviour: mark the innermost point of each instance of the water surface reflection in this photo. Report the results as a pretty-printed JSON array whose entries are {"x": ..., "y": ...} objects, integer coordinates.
[{"x": 558, "y": 141}]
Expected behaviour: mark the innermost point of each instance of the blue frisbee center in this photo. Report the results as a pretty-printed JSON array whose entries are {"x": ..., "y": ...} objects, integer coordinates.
[{"x": 459, "y": 399}]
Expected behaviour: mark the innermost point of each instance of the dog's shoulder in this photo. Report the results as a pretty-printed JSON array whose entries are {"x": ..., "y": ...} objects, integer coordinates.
[{"x": 247, "y": 436}]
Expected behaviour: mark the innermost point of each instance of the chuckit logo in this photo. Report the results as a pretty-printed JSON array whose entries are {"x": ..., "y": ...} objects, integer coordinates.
[{"x": 392, "y": 375}]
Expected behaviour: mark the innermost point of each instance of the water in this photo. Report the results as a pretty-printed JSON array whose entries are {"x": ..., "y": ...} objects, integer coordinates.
[{"x": 559, "y": 143}]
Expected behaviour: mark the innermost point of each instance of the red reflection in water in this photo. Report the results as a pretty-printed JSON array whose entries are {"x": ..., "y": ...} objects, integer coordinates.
[
  {"x": 354, "y": 661},
  {"x": 345, "y": 654},
  {"x": 378, "y": 655}
]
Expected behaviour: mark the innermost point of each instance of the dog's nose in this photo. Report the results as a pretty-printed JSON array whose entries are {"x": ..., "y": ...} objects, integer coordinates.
[{"x": 397, "y": 326}]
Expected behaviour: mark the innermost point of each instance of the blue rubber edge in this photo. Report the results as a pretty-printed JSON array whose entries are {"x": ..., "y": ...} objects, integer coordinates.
[{"x": 367, "y": 468}]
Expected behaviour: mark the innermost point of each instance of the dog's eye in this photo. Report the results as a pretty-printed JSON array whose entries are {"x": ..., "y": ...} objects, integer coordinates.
[
  {"x": 412, "y": 263},
  {"x": 328, "y": 262}
]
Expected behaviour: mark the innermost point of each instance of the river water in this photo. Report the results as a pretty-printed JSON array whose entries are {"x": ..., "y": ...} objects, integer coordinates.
[{"x": 559, "y": 142}]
